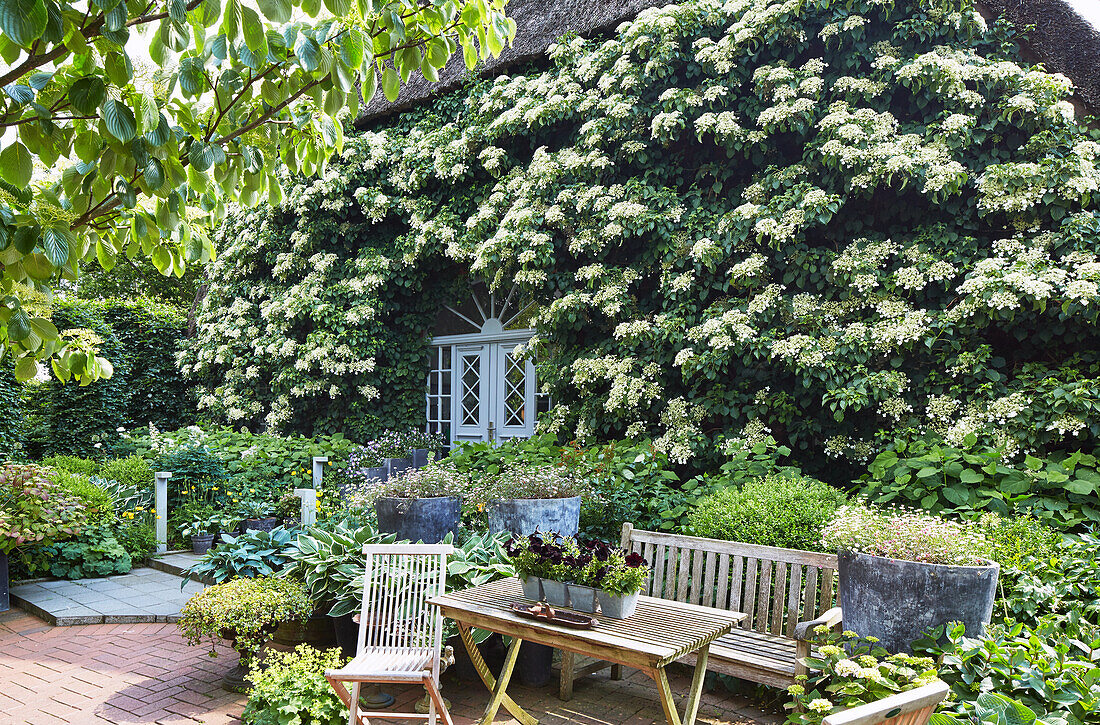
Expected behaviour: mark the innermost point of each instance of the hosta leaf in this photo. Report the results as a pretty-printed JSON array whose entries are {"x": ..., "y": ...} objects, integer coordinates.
[
  {"x": 23, "y": 21},
  {"x": 86, "y": 94}
]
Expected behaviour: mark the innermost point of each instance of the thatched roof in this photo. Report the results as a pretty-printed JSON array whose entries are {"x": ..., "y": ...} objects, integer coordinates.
[
  {"x": 539, "y": 24},
  {"x": 1063, "y": 40}
]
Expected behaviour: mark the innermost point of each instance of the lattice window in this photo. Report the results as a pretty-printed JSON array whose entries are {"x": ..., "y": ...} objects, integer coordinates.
[
  {"x": 439, "y": 392},
  {"x": 515, "y": 390},
  {"x": 470, "y": 380}
]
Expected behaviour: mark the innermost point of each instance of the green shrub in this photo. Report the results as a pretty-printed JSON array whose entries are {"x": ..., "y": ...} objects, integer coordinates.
[
  {"x": 94, "y": 553},
  {"x": 133, "y": 473},
  {"x": 786, "y": 511},
  {"x": 290, "y": 687},
  {"x": 1062, "y": 584},
  {"x": 98, "y": 503},
  {"x": 72, "y": 464},
  {"x": 139, "y": 539},
  {"x": 1019, "y": 539}
]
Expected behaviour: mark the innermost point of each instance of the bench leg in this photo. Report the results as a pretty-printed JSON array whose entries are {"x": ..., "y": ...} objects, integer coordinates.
[
  {"x": 616, "y": 672},
  {"x": 565, "y": 685}
]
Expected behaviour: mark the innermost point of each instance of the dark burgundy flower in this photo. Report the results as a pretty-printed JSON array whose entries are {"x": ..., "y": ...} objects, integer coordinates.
[{"x": 635, "y": 560}]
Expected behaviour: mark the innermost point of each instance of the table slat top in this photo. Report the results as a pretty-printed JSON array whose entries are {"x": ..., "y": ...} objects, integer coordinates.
[{"x": 661, "y": 629}]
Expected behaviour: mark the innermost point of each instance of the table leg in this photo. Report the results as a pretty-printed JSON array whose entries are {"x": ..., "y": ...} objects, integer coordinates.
[
  {"x": 695, "y": 694},
  {"x": 487, "y": 677},
  {"x": 502, "y": 682}
]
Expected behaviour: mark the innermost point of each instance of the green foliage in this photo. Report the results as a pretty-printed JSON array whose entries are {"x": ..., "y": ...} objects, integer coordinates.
[
  {"x": 249, "y": 609},
  {"x": 251, "y": 554},
  {"x": 11, "y": 428},
  {"x": 94, "y": 553},
  {"x": 72, "y": 464},
  {"x": 784, "y": 511},
  {"x": 96, "y": 500},
  {"x": 132, "y": 473},
  {"x": 1062, "y": 582},
  {"x": 139, "y": 539},
  {"x": 33, "y": 509},
  {"x": 330, "y": 562},
  {"x": 144, "y": 168},
  {"x": 1061, "y": 490},
  {"x": 1043, "y": 669},
  {"x": 290, "y": 689},
  {"x": 849, "y": 671},
  {"x": 141, "y": 339}
]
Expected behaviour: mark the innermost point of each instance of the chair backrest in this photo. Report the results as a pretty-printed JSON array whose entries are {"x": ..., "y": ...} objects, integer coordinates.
[
  {"x": 777, "y": 588},
  {"x": 398, "y": 581},
  {"x": 912, "y": 707}
]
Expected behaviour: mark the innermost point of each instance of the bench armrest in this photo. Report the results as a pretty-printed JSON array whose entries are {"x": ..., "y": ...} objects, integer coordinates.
[{"x": 804, "y": 631}]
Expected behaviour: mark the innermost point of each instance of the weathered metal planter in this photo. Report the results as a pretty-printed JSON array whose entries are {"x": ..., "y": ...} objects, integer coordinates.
[
  {"x": 525, "y": 516},
  {"x": 617, "y": 606},
  {"x": 397, "y": 466},
  {"x": 532, "y": 587},
  {"x": 555, "y": 593},
  {"x": 264, "y": 524},
  {"x": 897, "y": 601},
  {"x": 419, "y": 519},
  {"x": 421, "y": 457},
  {"x": 582, "y": 598},
  {"x": 4, "y": 604},
  {"x": 316, "y": 631},
  {"x": 201, "y": 543}
]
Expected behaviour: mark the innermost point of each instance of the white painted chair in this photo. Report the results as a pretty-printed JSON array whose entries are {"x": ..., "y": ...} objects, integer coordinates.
[
  {"x": 400, "y": 634},
  {"x": 912, "y": 707}
]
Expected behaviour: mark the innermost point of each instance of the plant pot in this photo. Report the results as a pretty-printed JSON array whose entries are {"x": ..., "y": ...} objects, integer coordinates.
[
  {"x": 346, "y": 631},
  {"x": 617, "y": 606},
  {"x": 4, "y": 604},
  {"x": 421, "y": 457},
  {"x": 419, "y": 519},
  {"x": 533, "y": 664},
  {"x": 376, "y": 472},
  {"x": 316, "y": 631},
  {"x": 532, "y": 587},
  {"x": 555, "y": 593},
  {"x": 492, "y": 651},
  {"x": 266, "y": 524},
  {"x": 201, "y": 543},
  {"x": 396, "y": 466},
  {"x": 582, "y": 598},
  {"x": 525, "y": 516},
  {"x": 898, "y": 600}
]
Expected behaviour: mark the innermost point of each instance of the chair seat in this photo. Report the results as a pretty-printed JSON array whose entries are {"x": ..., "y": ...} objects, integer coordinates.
[{"x": 402, "y": 663}]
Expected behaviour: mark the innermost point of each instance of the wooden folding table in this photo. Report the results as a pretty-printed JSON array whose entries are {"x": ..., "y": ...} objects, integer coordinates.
[{"x": 660, "y": 632}]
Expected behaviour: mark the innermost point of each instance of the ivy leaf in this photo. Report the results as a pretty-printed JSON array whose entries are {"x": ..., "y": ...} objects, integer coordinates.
[
  {"x": 86, "y": 94},
  {"x": 119, "y": 119},
  {"x": 23, "y": 21},
  {"x": 16, "y": 165}
]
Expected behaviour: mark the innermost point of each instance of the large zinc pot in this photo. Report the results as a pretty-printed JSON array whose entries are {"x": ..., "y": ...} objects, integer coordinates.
[
  {"x": 525, "y": 516},
  {"x": 897, "y": 600},
  {"x": 419, "y": 519}
]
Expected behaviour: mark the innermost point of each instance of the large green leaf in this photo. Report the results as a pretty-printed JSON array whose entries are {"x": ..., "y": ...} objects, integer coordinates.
[
  {"x": 254, "y": 36},
  {"x": 16, "y": 165},
  {"x": 23, "y": 21},
  {"x": 119, "y": 119},
  {"x": 391, "y": 84},
  {"x": 86, "y": 94},
  {"x": 277, "y": 11},
  {"x": 57, "y": 243},
  {"x": 191, "y": 76}
]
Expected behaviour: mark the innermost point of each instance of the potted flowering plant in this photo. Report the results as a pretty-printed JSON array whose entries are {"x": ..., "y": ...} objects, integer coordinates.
[
  {"x": 523, "y": 499},
  {"x": 852, "y": 671},
  {"x": 366, "y": 464},
  {"x": 202, "y": 531},
  {"x": 33, "y": 511},
  {"x": 247, "y": 612},
  {"x": 425, "y": 446},
  {"x": 619, "y": 580},
  {"x": 903, "y": 572},
  {"x": 422, "y": 504},
  {"x": 256, "y": 514}
]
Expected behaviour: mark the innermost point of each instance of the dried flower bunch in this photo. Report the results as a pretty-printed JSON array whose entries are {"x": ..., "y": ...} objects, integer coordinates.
[
  {"x": 906, "y": 534},
  {"x": 586, "y": 562}
]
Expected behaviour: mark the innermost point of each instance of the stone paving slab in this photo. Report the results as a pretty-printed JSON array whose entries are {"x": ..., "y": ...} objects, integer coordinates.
[
  {"x": 143, "y": 595},
  {"x": 145, "y": 673}
]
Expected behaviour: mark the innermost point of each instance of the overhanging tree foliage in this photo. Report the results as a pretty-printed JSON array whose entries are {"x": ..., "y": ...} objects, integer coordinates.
[{"x": 147, "y": 159}]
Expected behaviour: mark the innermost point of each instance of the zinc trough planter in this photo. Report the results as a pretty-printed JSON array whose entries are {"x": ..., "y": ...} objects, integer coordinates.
[
  {"x": 897, "y": 600},
  {"x": 397, "y": 466},
  {"x": 419, "y": 519},
  {"x": 555, "y": 593},
  {"x": 617, "y": 606},
  {"x": 532, "y": 587},
  {"x": 582, "y": 598},
  {"x": 525, "y": 516},
  {"x": 265, "y": 524}
]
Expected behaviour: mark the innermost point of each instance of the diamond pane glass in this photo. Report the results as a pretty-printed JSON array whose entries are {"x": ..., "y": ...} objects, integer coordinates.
[
  {"x": 515, "y": 391},
  {"x": 471, "y": 389}
]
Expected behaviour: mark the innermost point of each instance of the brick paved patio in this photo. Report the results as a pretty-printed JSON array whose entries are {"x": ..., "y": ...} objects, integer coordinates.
[{"x": 146, "y": 673}]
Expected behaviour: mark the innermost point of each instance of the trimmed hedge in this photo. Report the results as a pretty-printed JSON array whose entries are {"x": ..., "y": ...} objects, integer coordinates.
[{"x": 141, "y": 339}]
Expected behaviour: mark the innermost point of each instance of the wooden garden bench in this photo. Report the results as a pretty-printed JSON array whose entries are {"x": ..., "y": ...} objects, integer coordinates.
[{"x": 785, "y": 594}]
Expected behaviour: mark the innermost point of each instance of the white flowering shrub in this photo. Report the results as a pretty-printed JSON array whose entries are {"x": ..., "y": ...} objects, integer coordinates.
[{"x": 839, "y": 222}]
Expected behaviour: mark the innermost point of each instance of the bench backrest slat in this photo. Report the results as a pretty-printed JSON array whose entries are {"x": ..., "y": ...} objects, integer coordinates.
[{"x": 776, "y": 588}]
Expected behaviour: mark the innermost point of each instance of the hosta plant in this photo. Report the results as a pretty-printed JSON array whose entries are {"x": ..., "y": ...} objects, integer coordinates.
[
  {"x": 245, "y": 610},
  {"x": 252, "y": 554},
  {"x": 33, "y": 509}
]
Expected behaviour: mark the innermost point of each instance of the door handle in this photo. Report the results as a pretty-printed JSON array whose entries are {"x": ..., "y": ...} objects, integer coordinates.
[{"x": 492, "y": 432}]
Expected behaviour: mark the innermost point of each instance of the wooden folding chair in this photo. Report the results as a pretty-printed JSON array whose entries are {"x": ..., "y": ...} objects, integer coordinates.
[
  {"x": 400, "y": 634},
  {"x": 912, "y": 707}
]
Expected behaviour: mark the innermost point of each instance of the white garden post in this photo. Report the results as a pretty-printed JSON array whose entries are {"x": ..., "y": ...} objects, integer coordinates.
[
  {"x": 318, "y": 470},
  {"x": 160, "y": 488},
  {"x": 309, "y": 505}
]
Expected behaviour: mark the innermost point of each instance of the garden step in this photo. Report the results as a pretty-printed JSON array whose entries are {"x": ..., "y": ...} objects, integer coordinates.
[{"x": 174, "y": 562}]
